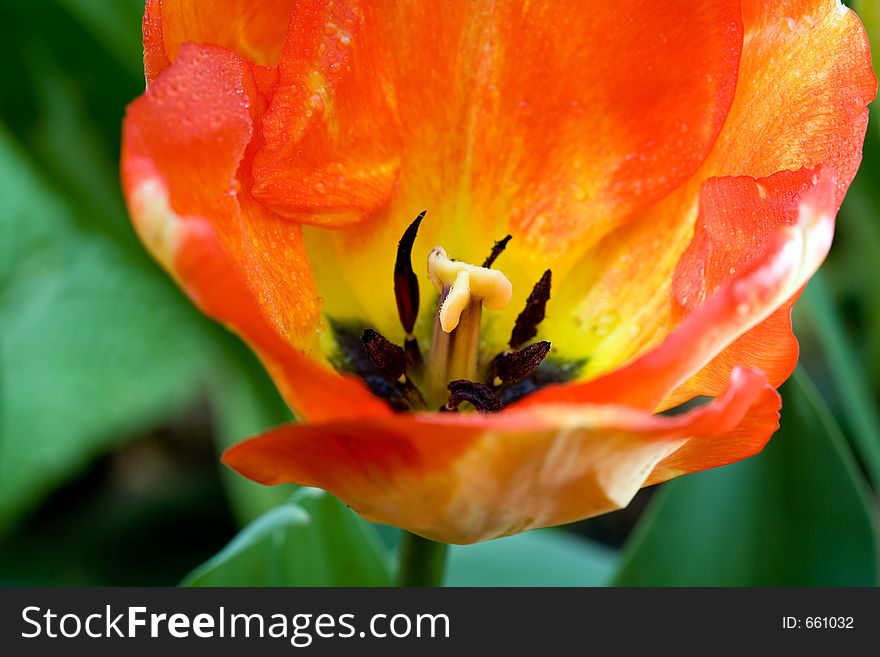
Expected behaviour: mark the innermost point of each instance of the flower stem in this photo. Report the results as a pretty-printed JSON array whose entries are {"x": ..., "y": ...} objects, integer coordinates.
[{"x": 422, "y": 562}]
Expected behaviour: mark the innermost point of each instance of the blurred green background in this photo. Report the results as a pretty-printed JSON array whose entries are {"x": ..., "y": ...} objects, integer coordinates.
[{"x": 116, "y": 396}]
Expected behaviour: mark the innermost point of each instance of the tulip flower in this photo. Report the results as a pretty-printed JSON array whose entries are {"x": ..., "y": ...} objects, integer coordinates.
[{"x": 487, "y": 250}]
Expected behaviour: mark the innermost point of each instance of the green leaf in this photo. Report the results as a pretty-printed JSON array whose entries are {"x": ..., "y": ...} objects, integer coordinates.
[
  {"x": 246, "y": 403},
  {"x": 545, "y": 557},
  {"x": 851, "y": 383},
  {"x": 869, "y": 12},
  {"x": 97, "y": 345},
  {"x": 314, "y": 540},
  {"x": 796, "y": 515},
  {"x": 114, "y": 25}
]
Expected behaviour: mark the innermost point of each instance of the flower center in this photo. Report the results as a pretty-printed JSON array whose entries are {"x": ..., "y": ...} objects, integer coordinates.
[
  {"x": 464, "y": 291},
  {"x": 452, "y": 376}
]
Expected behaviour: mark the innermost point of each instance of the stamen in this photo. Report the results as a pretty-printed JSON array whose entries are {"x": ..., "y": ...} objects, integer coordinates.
[
  {"x": 391, "y": 382},
  {"x": 459, "y": 282},
  {"x": 388, "y": 358},
  {"x": 497, "y": 250},
  {"x": 513, "y": 366},
  {"x": 464, "y": 290},
  {"x": 482, "y": 397},
  {"x": 450, "y": 377},
  {"x": 406, "y": 284},
  {"x": 526, "y": 326}
]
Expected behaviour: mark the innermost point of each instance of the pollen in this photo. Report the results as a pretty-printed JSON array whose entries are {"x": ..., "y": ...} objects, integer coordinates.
[
  {"x": 464, "y": 284},
  {"x": 456, "y": 374}
]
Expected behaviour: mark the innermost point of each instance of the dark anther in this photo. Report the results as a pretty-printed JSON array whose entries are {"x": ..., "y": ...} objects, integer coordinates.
[
  {"x": 482, "y": 397},
  {"x": 499, "y": 247},
  {"x": 514, "y": 366},
  {"x": 406, "y": 285},
  {"x": 389, "y": 391},
  {"x": 526, "y": 326},
  {"x": 388, "y": 358}
]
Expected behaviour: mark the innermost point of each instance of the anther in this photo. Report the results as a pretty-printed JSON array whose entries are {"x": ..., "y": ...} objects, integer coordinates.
[
  {"x": 526, "y": 326},
  {"x": 406, "y": 283},
  {"x": 388, "y": 358},
  {"x": 497, "y": 250},
  {"x": 481, "y": 397},
  {"x": 513, "y": 366}
]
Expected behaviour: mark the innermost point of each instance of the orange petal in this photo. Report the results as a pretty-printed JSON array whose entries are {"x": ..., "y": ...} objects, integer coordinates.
[
  {"x": 254, "y": 30},
  {"x": 705, "y": 452},
  {"x": 493, "y": 120},
  {"x": 770, "y": 346},
  {"x": 331, "y": 152},
  {"x": 792, "y": 231},
  {"x": 804, "y": 84},
  {"x": 737, "y": 218},
  {"x": 184, "y": 141},
  {"x": 805, "y": 81},
  {"x": 466, "y": 478}
]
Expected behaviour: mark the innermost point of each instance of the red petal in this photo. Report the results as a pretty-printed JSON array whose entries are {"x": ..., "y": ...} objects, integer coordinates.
[
  {"x": 330, "y": 151},
  {"x": 493, "y": 120},
  {"x": 795, "y": 232},
  {"x": 466, "y": 478},
  {"x": 805, "y": 82},
  {"x": 184, "y": 141},
  {"x": 254, "y": 30}
]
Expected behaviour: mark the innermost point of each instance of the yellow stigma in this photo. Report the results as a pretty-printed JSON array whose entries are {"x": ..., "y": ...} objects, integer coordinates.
[{"x": 465, "y": 284}]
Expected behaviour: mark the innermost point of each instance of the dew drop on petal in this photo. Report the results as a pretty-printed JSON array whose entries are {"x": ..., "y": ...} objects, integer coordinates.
[{"x": 605, "y": 323}]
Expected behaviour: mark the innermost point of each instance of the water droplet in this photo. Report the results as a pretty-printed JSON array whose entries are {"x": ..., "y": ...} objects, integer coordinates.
[
  {"x": 605, "y": 323},
  {"x": 578, "y": 193}
]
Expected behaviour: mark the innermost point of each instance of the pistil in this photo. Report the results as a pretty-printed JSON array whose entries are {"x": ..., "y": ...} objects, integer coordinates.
[
  {"x": 464, "y": 290},
  {"x": 452, "y": 374}
]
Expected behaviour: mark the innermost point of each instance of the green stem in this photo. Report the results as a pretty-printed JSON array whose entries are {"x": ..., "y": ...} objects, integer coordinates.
[{"x": 422, "y": 562}]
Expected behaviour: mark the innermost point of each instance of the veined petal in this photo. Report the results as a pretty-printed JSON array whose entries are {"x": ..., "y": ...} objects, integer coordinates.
[
  {"x": 801, "y": 101},
  {"x": 805, "y": 81},
  {"x": 467, "y": 478},
  {"x": 705, "y": 452},
  {"x": 253, "y": 29},
  {"x": 447, "y": 108},
  {"x": 331, "y": 152},
  {"x": 184, "y": 142},
  {"x": 795, "y": 230},
  {"x": 723, "y": 244}
]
